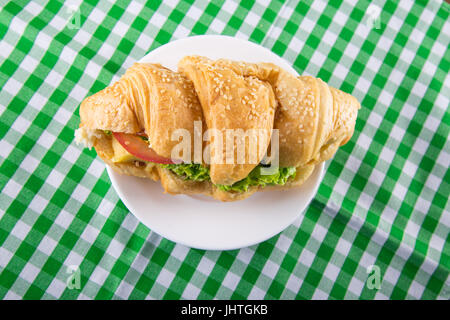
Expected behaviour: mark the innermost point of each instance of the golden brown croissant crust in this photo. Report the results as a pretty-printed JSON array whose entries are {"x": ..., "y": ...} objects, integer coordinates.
[{"x": 313, "y": 118}]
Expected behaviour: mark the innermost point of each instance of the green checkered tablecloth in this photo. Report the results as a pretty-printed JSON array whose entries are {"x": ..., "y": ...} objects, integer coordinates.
[{"x": 378, "y": 227}]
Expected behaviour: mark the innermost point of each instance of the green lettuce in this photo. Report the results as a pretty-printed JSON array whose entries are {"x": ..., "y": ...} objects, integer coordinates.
[
  {"x": 256, "y": 178},
  {"x": 189, "y": 171},
  {"x": 197, "y": 172}
]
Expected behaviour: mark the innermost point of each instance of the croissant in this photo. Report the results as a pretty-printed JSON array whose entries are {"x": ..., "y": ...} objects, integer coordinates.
[{"x": 209, "y": 99}]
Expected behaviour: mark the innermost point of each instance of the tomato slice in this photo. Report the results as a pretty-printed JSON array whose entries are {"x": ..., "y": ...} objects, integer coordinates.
[{"x": 139, "y": 148}]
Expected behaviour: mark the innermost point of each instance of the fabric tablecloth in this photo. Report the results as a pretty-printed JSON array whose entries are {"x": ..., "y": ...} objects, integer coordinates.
[{"x": 378, "y": 227}]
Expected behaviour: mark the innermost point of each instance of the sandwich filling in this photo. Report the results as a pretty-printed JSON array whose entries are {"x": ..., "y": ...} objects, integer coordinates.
[
  {"x": 197, "y": 172},
  {"x": 138, "y": 148}
]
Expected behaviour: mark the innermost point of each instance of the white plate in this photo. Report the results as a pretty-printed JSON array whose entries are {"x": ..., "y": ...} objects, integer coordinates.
[{"x": 199, "y": 221}]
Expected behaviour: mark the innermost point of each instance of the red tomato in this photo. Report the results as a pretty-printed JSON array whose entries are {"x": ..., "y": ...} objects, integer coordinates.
[{"x": 139, "y": 148}]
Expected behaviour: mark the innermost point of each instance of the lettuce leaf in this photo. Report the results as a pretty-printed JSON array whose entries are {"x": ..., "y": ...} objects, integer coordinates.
[
  {"x": 197, "y": 172},
  {"x": 189, "y": 171},
  {"x": 255, "y": 178}
]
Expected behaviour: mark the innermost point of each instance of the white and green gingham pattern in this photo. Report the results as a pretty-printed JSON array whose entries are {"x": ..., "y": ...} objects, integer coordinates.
[{"x": 381, "y": 210}]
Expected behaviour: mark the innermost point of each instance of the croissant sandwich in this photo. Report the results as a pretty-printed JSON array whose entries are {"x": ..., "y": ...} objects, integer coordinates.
[{"x": 209, "y": 127}]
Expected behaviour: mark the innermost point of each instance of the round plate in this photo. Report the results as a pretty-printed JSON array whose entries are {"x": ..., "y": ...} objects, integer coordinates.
[{"x": 199, "y": 221}]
